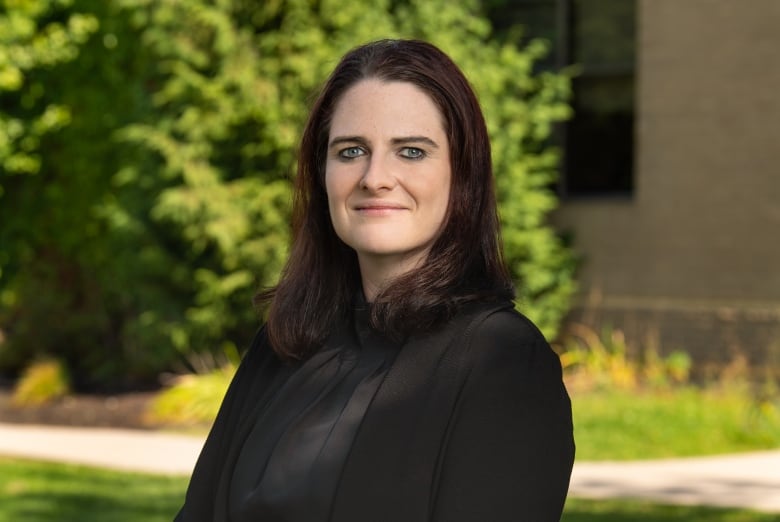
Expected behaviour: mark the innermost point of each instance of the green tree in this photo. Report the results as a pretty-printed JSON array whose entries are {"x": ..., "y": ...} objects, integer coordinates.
[
  {"x": 34, "y": 34},
  {"x": 163, "y": 205},
  {"x": 37, "y": 38},
  {"x": 232, "y": 100}
]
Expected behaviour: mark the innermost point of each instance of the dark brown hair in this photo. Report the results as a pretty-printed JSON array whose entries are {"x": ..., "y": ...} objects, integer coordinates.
[{"x": 318, "y": 286}]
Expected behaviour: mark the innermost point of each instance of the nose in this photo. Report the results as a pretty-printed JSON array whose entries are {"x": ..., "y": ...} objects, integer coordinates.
[{"x": 378, "y": 175}]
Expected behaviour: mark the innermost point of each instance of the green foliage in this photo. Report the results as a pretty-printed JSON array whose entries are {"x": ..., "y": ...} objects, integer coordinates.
[
  {"x": 34, "y": 34},
  {"x": 36, "y": 38},
  {"x": 194, "y": 399},
  {"x": 520, "y": 109},
  {"x": 606, "y": 362},
  {"x": 43, "y": 381},
  {"x": 162, "y": 193},
  {"x": 64, "y": 269},
  {"x": 231, "y": 103}
]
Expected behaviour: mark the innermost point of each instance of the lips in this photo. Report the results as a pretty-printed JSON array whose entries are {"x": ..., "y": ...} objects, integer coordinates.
[
  {"x": 378, "y": 208},
  {"x": 379, "y": 205}
]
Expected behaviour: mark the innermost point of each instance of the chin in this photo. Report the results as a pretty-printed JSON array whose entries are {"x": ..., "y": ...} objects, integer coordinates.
[
  {"x": 380, "y": 250},
  {"x": 379, "y": 244}
]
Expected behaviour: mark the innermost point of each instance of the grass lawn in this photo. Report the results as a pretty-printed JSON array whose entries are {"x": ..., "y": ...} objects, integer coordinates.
[
  {"x": 38, "y": 492},
  {"x": 581, "y": 510},
  {"x": 684, "y": 422}
]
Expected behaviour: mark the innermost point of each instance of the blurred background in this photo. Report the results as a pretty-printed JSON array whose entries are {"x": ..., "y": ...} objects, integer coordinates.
[{"x": 147, "y": 148}]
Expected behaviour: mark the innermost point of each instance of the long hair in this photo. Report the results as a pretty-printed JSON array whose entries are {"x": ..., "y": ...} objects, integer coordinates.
[{"x": 318, "y": 286}]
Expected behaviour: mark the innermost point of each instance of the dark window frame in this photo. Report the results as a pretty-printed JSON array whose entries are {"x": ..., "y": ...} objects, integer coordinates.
[{"x": 608, "y": 171}]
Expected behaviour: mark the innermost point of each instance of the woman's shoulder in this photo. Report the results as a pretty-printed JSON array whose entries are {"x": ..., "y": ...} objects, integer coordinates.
[
  {"x": 500, "y": 320},
  {"x": 503, "y": 335},
  {"x": 260, "y": 353}
]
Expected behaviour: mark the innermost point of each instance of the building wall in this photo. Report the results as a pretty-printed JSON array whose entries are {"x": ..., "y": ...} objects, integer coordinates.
[{"x": 694, "y": 255}]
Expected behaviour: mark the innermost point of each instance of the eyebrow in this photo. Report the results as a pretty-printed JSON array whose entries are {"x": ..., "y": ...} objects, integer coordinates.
[
  {"x": 405, "y": 140},
  {"x": 345, "y": 139},
  {"x": 414, "y": 139}
]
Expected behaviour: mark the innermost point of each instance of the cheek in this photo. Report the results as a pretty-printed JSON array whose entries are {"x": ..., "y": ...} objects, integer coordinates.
[
  {"x": 335, "y": 194},
  {"x": 331, "y": 190},
  {"x": 444, "y": 192}
]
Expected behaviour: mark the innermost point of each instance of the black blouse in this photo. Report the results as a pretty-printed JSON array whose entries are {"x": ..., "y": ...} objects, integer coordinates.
[{"x": 289, "y": 463}]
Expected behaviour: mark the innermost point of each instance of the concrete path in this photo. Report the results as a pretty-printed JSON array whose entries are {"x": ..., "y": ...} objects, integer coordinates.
[
  {"x": 750, "y": 480},
  {"x": 122, "y": 449}
]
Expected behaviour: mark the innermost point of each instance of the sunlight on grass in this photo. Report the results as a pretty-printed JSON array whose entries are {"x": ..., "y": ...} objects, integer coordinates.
[
  {"x": 632, "y": 403},
  {"x": 43, "y": 492},
  {"x": 38, "y": 492},
  {"x": 581, "y": 510},
  {"x": 684, "y": 422}
]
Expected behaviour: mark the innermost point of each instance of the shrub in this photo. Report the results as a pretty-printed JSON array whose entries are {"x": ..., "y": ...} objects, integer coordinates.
[
  {"x": 194, "y": 398},
  {"x": 42, "y": 382},
  {"x": 604, "y": 362}
]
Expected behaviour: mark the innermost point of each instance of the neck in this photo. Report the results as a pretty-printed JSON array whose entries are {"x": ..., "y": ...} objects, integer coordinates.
[{"x": 376, "y": 272}]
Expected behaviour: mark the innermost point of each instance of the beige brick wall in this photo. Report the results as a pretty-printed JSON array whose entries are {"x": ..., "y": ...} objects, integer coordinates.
[{"x": 702, "y": 231}]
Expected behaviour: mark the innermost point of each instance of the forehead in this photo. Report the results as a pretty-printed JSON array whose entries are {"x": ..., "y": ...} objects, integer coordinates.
[{"x": 389, "y": 106}]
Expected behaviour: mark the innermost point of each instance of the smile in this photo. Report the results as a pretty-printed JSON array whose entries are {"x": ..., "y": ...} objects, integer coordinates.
[
  {"x": 378, "y": 206},
  {"x": 378, "y": 210}
]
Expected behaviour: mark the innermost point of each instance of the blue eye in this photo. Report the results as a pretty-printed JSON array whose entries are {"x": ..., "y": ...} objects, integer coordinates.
[
  {"x": 351, "y": 152},
  {"x": 412, "y": 153}
]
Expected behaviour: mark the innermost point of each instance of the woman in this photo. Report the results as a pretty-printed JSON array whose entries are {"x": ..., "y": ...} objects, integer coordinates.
[{"x": 393, "y": 380}]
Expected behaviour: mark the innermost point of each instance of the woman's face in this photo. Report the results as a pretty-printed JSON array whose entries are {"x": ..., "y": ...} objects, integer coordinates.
[{"x": 388, "y": 172}]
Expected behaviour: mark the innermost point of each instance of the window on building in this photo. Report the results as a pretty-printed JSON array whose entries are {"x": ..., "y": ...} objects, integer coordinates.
[{"x": 598, "y": 37}]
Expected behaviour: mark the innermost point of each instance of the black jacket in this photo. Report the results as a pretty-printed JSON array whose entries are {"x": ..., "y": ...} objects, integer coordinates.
[{"x": 471, "y": 424}]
